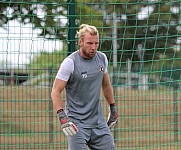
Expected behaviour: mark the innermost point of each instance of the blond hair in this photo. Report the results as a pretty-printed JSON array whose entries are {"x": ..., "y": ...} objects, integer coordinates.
[{"x": 85, "y": 28}]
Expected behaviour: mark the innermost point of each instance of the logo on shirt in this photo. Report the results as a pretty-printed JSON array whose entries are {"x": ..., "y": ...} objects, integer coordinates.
[
  {"x": 101, "y": 68},
  {"x": 84, "y": 74}
]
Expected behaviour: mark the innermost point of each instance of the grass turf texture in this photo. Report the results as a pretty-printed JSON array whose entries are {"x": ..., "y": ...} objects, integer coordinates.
[{"x": 145, "y": 119}]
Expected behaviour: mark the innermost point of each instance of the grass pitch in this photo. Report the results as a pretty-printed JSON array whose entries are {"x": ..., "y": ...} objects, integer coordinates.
[{"x": 146, "y": 119}]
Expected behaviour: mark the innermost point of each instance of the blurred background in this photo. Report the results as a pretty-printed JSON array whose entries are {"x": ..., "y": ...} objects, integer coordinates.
[{"x": 142, "y": 40}]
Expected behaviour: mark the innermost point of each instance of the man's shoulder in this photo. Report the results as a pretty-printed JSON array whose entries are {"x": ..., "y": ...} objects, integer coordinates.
[
  {"x": 73, "y": 55},
  {"x": 101, "y": 55}
]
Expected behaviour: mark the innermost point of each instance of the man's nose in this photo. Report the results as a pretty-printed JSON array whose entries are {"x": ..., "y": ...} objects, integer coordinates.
[{"x": 94, "y": 46}]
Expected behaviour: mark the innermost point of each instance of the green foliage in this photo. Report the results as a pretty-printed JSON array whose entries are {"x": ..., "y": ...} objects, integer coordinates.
[
  {"x": 45, "y": 16},
  {"x": 165, "y": 62},
  {"x": 89, "y": 13},
  {"x": 155, "y": 30},
  {"x": 46, "y": 60},
  {"x": 50, "y": 16}
]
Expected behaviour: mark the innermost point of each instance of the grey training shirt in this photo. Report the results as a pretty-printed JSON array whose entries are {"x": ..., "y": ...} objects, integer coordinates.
[{"x": 84, "y": 82}]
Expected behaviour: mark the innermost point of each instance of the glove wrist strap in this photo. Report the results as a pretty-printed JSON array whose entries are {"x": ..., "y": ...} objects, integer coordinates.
[
  {"x": 113, "y": 104},
  {"x": 60, "y": 110},
  {"x": 61, "y": 114}
]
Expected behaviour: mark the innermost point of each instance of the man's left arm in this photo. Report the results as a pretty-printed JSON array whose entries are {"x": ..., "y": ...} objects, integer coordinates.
[{"x": 109, "y": 96}]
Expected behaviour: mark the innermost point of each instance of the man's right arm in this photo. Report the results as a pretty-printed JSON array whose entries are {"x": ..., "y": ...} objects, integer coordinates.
[
  {"x": 58, "y": 87},
  {"x": 63, "y": 74},
  {"x": 68, "y": 127},
  {"x": 66, "y": 69}
]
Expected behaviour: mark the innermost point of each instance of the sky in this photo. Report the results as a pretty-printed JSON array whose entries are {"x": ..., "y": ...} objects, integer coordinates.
[{"x": 20, "y": 43}]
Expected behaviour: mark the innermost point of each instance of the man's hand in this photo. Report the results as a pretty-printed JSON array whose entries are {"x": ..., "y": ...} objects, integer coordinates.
[
  {"x": 113, "y": 116},
  {"x": 68, "y": 127}
]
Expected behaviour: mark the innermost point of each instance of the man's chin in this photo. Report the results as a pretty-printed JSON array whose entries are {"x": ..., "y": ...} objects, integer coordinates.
[{"x": 91, "y": 55}]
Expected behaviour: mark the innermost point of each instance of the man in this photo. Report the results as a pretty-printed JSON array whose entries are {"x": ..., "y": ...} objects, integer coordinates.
[{"x": 83, "y": 74}]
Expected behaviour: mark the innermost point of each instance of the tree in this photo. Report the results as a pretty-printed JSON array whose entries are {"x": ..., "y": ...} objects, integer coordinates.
[
  {"x": 49, "y": 16},
  {"x": 145, "y": 37},
  {"x": 45, "y": 60},
  {"x": 42, "y": 15},
  {"x": 151, "y": 35}
]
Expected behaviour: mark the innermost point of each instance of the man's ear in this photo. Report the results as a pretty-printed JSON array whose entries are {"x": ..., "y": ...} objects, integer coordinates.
[{"x": 80, "y": 42}]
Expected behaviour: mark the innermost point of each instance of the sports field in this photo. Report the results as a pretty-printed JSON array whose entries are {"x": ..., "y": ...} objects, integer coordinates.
[
  {"x": 146, "y": 119},
  {"x": 142, "y": 41}
]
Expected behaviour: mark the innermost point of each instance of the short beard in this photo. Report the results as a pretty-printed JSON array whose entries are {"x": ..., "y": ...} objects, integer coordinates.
[{"x": 87, "y": 54}]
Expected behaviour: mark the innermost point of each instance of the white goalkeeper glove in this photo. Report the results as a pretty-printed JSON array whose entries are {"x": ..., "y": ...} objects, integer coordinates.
[
  {"x": 68, "y": 127},
  {"x": 113, "y": 116}
]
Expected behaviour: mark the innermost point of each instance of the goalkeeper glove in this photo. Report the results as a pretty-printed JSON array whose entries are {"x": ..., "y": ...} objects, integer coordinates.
[
  {"x": 68, "y": 127},
  {"x": 113, "y": 116}
]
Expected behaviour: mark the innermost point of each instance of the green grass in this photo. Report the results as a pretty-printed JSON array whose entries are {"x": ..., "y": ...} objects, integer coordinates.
[{"x": 145, "y": 120}]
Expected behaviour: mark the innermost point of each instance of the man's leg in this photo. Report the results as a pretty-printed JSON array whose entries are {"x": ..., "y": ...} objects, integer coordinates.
[
  {"x": 101, "y": 139},
  {"x": 79, "y": 140}
]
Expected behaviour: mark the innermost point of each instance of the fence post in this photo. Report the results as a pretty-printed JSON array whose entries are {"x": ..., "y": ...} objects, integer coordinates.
[
  {"x": 71, "y": 26},
  {"x": 50, "y": 106},
  {"x": 115, "y": 73},
  {"x": 175, "y": 110}
]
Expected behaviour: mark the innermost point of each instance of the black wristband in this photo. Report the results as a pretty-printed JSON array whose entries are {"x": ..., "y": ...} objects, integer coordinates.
[
  {"x": 60, "y": 110},
  {"x": 113, "y": 104}
]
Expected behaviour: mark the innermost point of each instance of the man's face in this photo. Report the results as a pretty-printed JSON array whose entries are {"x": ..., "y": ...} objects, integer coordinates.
[{"x": 89, "y": 45}]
